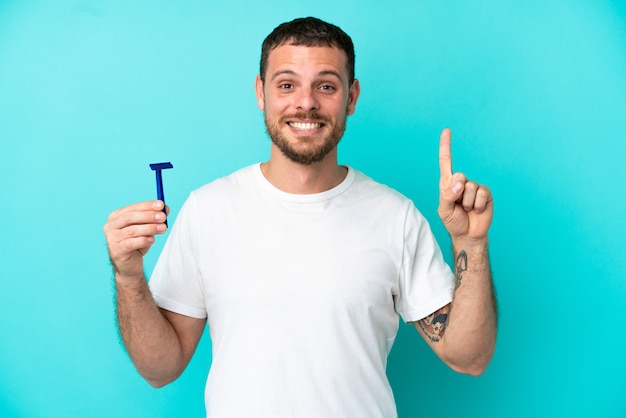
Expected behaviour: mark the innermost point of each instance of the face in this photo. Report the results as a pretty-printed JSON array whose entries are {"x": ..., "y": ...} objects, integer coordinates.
[{"x": 306, "y": 99}]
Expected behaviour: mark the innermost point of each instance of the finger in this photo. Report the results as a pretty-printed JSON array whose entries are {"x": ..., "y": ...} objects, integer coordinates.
[
  {"x": 136, "y": 217},
  {"x": 483, "y": 198},
  {"x": 445, "y": 154},
  {"x": 132, "y": 225},
  {"x": 136, "y": 231},
  {"x": 452, "y": 187},
  {"x": 155, "y": 205},
  {"x": 132, "y": 238},
  {"x": 123, "y": 243},
  {"x": 451, "y": 195},
  {"x": 469, "y": 195},
  {"x": 132, "y": 244}
]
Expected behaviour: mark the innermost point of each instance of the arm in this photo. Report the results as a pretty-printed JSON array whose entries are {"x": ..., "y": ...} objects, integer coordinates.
[
  {"x": 463, "y": 333},
  {"x": 160, "y": 343}
]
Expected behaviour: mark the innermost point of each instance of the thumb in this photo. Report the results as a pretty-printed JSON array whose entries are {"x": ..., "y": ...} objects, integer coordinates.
[{"x": 450, "y": 192}]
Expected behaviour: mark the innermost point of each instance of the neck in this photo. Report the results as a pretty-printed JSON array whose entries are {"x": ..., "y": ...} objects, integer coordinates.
[{"x": 291, "y": 177}]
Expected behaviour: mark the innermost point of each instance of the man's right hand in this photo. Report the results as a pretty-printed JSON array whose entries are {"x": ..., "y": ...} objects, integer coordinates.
[{"x": 130, "y": 233}]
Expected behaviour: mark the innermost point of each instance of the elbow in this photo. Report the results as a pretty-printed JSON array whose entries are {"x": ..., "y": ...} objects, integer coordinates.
[
  {"x": 157, "y": 384},
  {"x": 472, "y": 366},
  {"x": 158, "y": 381},
  {"x": 160, "y": 372},
  {"x": 471, "y": 369}
]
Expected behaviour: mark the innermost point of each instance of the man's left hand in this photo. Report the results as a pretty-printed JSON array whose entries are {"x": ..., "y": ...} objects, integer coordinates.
[{"x": 465, "y": 207}]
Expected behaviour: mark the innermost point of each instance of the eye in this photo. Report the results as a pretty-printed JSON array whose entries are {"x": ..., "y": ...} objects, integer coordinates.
[
  {"x": 327, "y": 87},
  {"x": 285, "y": 86}
]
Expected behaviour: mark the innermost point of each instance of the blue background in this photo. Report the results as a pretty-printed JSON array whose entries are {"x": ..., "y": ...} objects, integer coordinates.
[{"x": 91, "y": 92}]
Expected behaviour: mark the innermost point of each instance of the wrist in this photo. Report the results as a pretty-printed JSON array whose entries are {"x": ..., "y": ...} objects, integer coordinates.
[
  {"x": 129, "y": 278},
  {"x": 470, "y": 244}
]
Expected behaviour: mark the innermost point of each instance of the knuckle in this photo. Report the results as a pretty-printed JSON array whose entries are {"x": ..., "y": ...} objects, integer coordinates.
[
  {"x": 471, "y": 185},
  {"x": 131, "y": 244},
  {"x": 460, "y": 177},
  {"x": 132, "y": 231}
]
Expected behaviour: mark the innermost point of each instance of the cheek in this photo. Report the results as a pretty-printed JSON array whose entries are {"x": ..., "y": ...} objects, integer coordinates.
[
  {"x": 270, "y": 112},
  {"x": 273, "y": 105}
]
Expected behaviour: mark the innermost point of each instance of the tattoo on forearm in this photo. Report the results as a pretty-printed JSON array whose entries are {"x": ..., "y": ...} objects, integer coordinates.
[
  {"x": 434, "y": 325},
  {"x": 461, "y": 267}
]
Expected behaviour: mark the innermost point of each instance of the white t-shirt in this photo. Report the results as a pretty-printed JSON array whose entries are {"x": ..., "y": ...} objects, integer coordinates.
[{"x": 302, "y": 293}]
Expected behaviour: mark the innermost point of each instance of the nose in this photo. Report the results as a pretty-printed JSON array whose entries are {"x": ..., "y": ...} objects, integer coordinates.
[{"x": 306, "y": 100}]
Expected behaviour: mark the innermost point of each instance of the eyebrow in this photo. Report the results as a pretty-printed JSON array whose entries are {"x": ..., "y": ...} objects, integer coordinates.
[
  {"x": 293, "y": 73},
  {"x": 283, "y": 72}
]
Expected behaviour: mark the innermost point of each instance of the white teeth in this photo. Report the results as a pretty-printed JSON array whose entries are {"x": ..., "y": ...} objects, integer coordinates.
[{"x": 305, "y": 126}]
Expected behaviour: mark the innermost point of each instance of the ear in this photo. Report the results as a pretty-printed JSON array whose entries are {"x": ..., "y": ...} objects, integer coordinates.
[
  {"x": 353, "y": 96},
  {"x": 258, "y": 87}
]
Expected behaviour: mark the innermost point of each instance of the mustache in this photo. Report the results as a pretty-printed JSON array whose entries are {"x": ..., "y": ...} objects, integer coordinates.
[{"x": 305, "y": 115}]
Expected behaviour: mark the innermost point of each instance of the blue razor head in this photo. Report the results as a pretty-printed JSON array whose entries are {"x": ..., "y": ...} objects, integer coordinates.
[{"x": 161, "y": 166}]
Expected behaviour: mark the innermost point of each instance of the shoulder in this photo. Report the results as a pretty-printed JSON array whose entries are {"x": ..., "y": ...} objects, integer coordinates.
[
  {"x": 369, "y": 188},
  {"x": 221, "y": 197},
  {"x": 387, "y": 202},
  {"x": 229, "y": 185}
]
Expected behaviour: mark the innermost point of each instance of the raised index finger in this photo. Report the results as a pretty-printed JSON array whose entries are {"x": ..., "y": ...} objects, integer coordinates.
[{"x": 445, "y": 155}]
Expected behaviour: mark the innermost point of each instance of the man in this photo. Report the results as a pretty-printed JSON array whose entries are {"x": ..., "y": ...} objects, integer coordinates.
[{"x": 300, "y": 266}]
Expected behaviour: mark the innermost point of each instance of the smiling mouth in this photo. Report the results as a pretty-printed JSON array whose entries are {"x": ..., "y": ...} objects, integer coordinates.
[{"x": 305, "y": 126}]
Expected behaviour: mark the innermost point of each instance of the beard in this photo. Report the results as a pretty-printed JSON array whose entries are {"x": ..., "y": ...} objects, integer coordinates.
[{"x": 305, "y": 151}]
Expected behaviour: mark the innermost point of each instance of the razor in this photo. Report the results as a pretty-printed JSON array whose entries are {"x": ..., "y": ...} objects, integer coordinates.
[{"x": 158, "y": 167}]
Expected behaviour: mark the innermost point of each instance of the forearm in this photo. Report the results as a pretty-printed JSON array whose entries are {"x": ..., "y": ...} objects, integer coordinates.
[
  {"x": 148, "y": 336},
  {"x": 470, "y": 334}
]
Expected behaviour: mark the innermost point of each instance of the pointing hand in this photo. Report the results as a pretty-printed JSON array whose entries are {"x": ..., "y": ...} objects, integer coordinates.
[{"x": 465, "y": 207}]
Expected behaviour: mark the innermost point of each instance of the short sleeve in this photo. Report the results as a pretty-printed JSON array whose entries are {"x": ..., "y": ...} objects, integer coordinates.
[
  {"x": 175, "y": 281},
  {"x": 426, "y": 281}
]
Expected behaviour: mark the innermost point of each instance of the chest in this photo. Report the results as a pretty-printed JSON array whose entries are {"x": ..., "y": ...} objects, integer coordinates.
[{"x": 300, "y": 262}]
